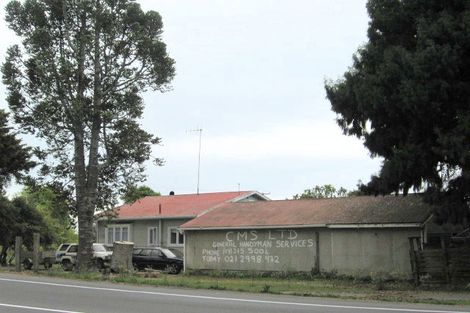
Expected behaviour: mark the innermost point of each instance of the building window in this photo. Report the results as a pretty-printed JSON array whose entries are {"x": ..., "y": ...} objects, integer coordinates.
[
  {"x": 176, "y": 236},
  {"x": 117, "y": 233},
  {"x": 153, "y": 236}
]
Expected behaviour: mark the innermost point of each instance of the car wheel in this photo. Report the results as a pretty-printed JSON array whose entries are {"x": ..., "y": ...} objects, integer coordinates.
[
  {"x": 27, "y": 264},
  {"x": 67, "y": 265},
  {"x": 172, "y": 269},
  {"x": 136, "y": 267}
]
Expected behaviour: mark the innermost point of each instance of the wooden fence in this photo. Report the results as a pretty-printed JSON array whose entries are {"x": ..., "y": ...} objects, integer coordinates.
[{"x": 448, "y": 264}]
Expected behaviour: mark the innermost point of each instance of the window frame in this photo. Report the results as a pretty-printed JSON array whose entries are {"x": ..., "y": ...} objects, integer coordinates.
[
  {"x": 157, "y": 240},
  {"x": 114, "y": 226},
  {"x": 178, "y": 236}
]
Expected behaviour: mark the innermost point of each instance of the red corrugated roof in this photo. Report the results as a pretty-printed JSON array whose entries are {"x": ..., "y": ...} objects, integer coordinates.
[
  {"x": 176, "y": 205},
  {"x": 353, "y": 210}
]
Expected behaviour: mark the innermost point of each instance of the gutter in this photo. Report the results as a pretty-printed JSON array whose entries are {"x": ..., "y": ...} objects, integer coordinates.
[
  {"x": 390, "y": 225},
  {"x": 332, "y": 226},
  {"x": 155, "y": 217},
  {"x": 255, "y": 227}
]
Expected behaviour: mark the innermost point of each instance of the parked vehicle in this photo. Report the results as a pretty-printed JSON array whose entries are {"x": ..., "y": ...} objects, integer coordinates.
[
  {"x": 101, "y": 255},
  {"x": 46, "y": 258},
  {"x": 60, "y": 252},
  {"x": 157, "y": 258}
]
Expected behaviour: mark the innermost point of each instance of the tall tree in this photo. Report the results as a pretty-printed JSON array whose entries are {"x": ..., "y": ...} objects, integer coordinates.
[
  {"x": 14, "y": 156},
  {"x": 322, "y": 192},
  {"x": 407, "y": 95},
  {"x": 134, "y": 193},
  {"x": 77, "y": 83}
]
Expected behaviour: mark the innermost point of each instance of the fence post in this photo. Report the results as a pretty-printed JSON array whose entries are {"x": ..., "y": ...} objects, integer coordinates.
[
  {"x": 317, "y": 252},
  {"x": 18, "y": 244},
  {"x": 36, "y": 252},
  {"x": 445, "y": 252},
  {"x": 414, "y": 263}
]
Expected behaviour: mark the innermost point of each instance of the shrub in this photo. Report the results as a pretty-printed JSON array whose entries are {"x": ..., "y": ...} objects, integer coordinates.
[{"x": 266, "y": 288}]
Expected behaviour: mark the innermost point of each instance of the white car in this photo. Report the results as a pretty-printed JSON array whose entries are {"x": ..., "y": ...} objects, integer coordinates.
[
  {"x": 101, "y": 255},
  {"x": 60, "y": 252}
]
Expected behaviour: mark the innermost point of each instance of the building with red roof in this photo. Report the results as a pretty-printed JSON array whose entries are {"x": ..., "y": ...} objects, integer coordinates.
[
  {"x": 155, "y": 220},
  {"x": 358, "y": 236}
]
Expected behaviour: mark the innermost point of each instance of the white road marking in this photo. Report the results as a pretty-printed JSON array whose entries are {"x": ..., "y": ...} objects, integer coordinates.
[
  {"x": 346, "y": 307},
  {"x": 34, "y": 308}
]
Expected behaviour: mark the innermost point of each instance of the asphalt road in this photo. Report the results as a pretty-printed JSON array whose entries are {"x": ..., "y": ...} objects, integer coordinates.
[{"x": 23, "y": 293}]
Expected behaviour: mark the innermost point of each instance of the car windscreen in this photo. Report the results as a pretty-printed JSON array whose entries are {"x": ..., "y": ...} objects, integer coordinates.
[
  {"x": 63, "y": 247},
  {"x": 99, "y": 248},
  {"x": 168, "y": 253},
  {"x": 176, "y": 252},
  {"x": 145, "y": 252}
]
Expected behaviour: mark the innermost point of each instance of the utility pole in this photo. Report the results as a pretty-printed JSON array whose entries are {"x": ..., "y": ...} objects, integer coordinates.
[{"x": 199, "y": 156}]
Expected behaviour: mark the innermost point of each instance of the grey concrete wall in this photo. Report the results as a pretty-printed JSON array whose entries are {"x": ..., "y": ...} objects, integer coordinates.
[
  {"x": 357, "y": 252},
  {"x": 260, "y": 250},
  {"x": 364, "y": 252}
]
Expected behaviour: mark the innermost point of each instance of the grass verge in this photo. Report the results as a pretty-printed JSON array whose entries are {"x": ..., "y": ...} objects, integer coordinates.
[{"x": 332, "y": 287}]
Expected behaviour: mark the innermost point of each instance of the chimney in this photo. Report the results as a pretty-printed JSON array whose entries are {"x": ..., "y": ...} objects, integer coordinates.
[{"x": 160, "y": 209}]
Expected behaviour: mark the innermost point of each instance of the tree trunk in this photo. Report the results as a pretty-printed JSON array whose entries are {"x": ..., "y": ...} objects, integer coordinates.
[
  {"x": 85, "y": 234},
  {"x": 84, "y": 209},
  {"x": 85, "y": 213}
]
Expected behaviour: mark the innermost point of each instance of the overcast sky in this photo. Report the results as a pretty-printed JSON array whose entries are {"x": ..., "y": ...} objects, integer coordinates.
[{"x": 251, "y": 74}]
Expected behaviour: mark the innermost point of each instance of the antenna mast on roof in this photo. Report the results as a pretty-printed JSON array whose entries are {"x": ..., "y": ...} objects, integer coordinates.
[{"x": 199, "y": 156}]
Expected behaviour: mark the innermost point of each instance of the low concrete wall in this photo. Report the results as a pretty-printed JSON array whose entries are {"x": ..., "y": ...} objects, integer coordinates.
[
  {"x": 356, "y": 252},
  {"x": 121, "y": 260}
]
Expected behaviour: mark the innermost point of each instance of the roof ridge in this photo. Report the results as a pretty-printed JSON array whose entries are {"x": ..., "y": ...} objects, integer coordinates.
[
  {"x": 352, "y": 197},
  {"x": 202, "y": 193}
]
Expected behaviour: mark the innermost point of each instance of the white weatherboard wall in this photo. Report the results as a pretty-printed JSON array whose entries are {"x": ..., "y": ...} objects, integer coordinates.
[{"x": 357, "y": 252}]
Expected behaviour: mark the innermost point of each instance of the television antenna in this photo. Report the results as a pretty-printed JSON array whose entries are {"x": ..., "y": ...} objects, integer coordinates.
[{"x": 199, "y": 130}]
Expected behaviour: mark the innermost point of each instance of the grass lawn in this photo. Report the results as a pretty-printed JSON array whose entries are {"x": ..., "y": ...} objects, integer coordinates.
[{"x": 333, "y": 287}]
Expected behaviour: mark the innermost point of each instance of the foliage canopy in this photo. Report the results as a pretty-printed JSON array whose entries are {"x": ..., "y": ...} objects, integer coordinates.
[
  {"x": 14, "y": 157},
  {"x": 407, "y": 95}
]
